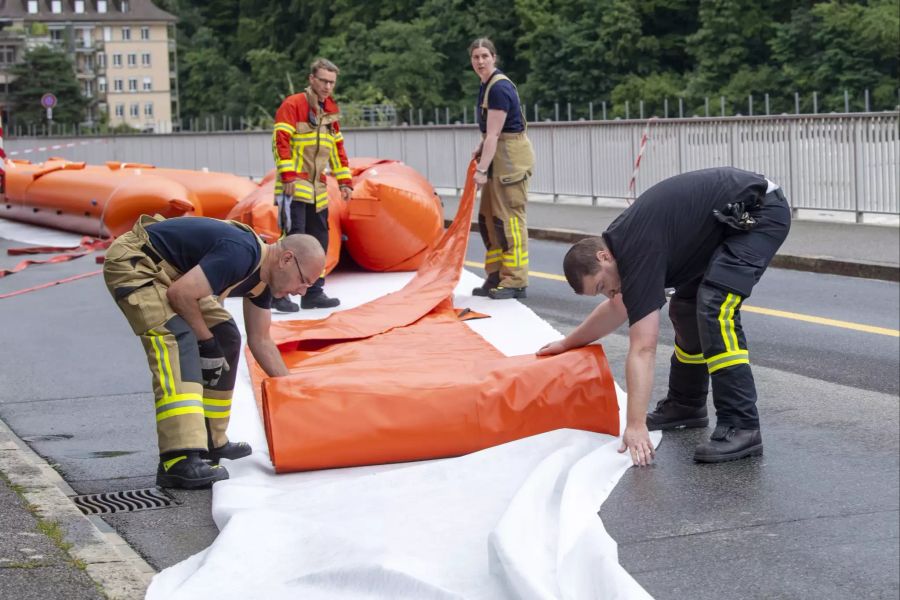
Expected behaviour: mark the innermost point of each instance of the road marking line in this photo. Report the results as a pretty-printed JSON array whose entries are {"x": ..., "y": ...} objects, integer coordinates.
[{"x": 771, "y": 312}]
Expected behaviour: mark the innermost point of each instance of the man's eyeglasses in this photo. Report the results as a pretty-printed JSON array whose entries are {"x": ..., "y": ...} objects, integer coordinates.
[
  {"x": 325, "y": 81},
  {"x": 303, "y": 280}
]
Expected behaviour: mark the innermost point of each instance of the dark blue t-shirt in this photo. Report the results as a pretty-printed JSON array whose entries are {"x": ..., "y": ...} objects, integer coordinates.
[
  {"x": 226, "y": 253},
  {"x": 668, "y": 236},
  {"x": 503, "y": 97}
]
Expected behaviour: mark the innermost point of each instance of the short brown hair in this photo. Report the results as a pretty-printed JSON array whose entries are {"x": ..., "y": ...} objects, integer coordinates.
[
  {"x": 323, "y": 63},
  {"x": 483, "y": 42},
  {"x": 581, "y": 260}
]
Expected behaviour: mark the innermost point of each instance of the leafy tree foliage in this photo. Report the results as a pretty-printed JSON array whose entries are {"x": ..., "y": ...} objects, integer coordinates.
[
  {"x": 241, "y": 57},
  {"x": 46, "y": 70}
]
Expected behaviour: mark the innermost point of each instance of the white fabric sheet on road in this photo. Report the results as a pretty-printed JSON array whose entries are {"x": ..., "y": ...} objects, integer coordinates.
[{"x": 515, "y": 521}]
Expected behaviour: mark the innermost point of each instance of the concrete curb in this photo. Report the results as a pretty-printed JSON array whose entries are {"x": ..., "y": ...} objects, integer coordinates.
[
  {"x": 116, "y": 569},
  {"x": 813, "y": 264}
]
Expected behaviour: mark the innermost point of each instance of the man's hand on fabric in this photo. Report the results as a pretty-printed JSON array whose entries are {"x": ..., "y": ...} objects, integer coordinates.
[
  {"x": 552, "y": 348},
  {"x": 289, "y": 189},
  {"x": 212, "y": 362},
  {"x": 636, "y": 440},
  {"x": 346, "y": 192}
]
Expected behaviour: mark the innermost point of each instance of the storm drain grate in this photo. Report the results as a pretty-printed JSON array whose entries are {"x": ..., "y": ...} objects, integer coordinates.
[{"x": 125, "y": 501}]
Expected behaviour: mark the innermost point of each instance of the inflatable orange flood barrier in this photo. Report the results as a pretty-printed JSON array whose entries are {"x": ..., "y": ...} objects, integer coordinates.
[
  {"x": 93, "y": 201},
  {"x": 106, "y": 200},
  {"x": 391, "y": 220},
  {"x": 402, "y": 378},
  {"x": 393, "y": 217}
]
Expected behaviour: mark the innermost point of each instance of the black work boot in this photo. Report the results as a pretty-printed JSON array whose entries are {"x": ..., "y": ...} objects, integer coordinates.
[
  {"x": 492, "y": 281},
  {"x": 505, "y": 293},
  {"x": 284, "y": 305},
  {"x": 318, "y": 299},
  {"x": 669, "y": 414},
  {"x": 187, "y": 471},
  {"x": 729, "y": 443},
  {"x": 231, "y": 451}
]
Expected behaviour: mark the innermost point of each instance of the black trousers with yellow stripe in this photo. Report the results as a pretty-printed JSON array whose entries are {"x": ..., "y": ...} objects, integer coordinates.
[{"x": 709, "y": 340}]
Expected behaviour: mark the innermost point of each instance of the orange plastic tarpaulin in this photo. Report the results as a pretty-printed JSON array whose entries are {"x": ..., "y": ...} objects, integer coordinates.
[{"x": 402, "y": 378}]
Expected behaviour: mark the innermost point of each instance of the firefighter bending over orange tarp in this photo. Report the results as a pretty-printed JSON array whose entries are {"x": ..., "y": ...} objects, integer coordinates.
[{"x": 403, "y": 378}]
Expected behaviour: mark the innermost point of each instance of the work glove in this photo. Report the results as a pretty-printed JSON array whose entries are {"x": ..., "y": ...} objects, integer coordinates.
[
  {"x": 212, "y": 362},
  {"x": 734, "y": 216}
]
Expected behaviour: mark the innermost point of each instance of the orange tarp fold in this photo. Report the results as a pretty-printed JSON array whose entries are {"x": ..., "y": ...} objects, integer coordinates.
[{"x": 403, "y": 378}]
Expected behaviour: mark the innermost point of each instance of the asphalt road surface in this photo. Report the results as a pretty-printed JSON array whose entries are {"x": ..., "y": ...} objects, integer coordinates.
[{"x": 815, "y": 517}]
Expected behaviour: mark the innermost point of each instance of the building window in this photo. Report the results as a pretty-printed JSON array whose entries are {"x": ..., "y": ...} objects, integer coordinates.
[
  {"x": 117, "y": 85},
  {"x": 132, "y": 84},
  {"x": 107, "y": 34},
  {"x": 126, "y": 34},
  {"x": 148, "y": 109},
  {"x": 124, "y": 6},
  {"x": 101, "y": 85},
  {"x": 117, "y": 60},
  {"x": 135, "y": 110},
  {"x": 56, "y": 6},
  {"x": 101, "y": 6},
  {"x": 148, "y": 84},
  {"x": 79, "y": 7},
  {"x": 7, "y": 55},
  {"x": 145, "y": 33},
  {"x": 32, "y": 7},
  {"x": 101, "y": 60},
  {"x": 132, "y": 60},
  {"x": 88, "y": 89},
  {"x": 57, "y": 35},
  {"x": 120, "y": 110},
  {"x": 145, "y": 59}
]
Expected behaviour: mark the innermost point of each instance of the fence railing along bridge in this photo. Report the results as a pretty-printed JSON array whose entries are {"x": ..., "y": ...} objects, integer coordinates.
[{"x": 836, "y": 162}]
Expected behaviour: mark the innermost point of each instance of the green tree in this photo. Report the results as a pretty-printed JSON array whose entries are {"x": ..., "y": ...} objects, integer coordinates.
[
  {"x": 45, "y": 70},
  {"x": 404, "y": 65},
  {"x": 732, "y": 33}
]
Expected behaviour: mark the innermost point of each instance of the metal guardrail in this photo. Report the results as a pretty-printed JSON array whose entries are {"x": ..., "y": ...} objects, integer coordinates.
[{"x": 841, "y": 162}]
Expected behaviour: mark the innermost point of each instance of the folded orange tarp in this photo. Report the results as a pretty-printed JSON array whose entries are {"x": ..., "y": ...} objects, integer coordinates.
[{"x": 402, "y": 378}]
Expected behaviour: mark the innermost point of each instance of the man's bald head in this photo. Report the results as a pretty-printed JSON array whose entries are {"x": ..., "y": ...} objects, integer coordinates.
[
  {"x": 308, "y": 251},
  {"x": 296, "y": 262}
]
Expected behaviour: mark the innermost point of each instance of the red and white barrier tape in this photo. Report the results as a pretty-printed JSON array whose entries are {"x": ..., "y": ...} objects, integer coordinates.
[
  {"x": 645, "y": 137},
  {"x": 54, "y": 147}
]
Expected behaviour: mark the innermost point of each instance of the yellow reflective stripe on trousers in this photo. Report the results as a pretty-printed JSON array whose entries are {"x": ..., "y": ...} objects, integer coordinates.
[
  {"x": 727, "y": 359},
  {"x": 216, "y": 408},
  {"x": 690, "y": 359},
  {"x": 179, "y": 404},
  {"x": 726, "y": 321},
  {"x": 164, "y": 369}
]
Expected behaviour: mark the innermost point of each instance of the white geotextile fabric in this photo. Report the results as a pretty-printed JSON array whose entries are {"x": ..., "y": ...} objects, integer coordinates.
[{"x": 515, "y": 521}]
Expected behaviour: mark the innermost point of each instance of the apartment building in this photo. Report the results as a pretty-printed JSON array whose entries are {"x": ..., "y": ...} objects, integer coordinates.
[{"x": 123, "y": 51}]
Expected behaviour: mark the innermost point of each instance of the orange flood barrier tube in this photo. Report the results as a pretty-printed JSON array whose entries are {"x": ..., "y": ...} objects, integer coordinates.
[
  {"x": 217, "y": 192},
  {"x": 402, "y": 378},
  {"x": 90, "y": 200},
  {"x": 393, "y": 217}
]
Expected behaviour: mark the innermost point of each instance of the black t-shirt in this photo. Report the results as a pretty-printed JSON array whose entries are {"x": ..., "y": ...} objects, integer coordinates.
[
  {"x": 226, "y": 253},
  {"x": 503, "y": 97},
  {"x": 668, "y": 236}
]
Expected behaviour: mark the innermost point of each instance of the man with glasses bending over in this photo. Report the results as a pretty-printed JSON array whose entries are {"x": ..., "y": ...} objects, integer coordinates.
[
  {"x": 170, "y": 279},
  {"x": 306, "y": 142}
]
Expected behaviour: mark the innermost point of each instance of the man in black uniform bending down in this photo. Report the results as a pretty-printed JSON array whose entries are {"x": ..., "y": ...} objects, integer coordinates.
[
  {"x": 170, "y": 279},
  {"x": 710, "y": 235}
]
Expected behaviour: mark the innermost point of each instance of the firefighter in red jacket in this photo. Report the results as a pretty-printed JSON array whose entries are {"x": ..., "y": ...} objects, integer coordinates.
[{"x": 306, "y": 141}]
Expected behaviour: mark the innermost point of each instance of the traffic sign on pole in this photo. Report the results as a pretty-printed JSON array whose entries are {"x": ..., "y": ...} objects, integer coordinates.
[{"x": 48, "y": 100}]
